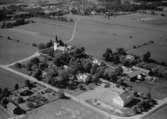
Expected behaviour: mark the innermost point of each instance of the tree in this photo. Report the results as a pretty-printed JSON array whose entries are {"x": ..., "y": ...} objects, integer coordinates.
[
  {"x": 35, "y": 60},
  {"x": 87, "y": 66},
  {"x": 118, "y": 71},
  {"x": 18, "y": 111},
  {"x": 121, "y": 51},
  {"x": 147, "y": 56},
  {"x": 6, "y": 92},
  {"x": 79, "y": 53},
  {"x": 49, "y": 44},
  {"x": 37, "y": 74},
  {"x": 108, "y": 54},
  {"x": 29, "y": 84},
  {"x": 41, "y": 46},
  {"x": 94, "y": 69},
  {"x": 16, "y": 87},
  {"x": 18, "y": 65},
  {"x": 5, "y": 102}
]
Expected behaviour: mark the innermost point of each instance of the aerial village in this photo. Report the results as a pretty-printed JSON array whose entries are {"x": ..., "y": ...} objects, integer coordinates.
[{"x": 118, "y": 85}]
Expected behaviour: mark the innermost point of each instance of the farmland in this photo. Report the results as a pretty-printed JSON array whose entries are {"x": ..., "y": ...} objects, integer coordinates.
[
  {"x": 20, "y": 44},
  {"x": 94, "y": 33},
  {"x": 97, "y": 34}
]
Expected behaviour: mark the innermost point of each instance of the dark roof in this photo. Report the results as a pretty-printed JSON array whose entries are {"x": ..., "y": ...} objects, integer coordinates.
[{"x": 126, "y": 96}]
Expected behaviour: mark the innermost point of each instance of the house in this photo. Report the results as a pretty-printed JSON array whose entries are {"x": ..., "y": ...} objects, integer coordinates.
[
  {"x": 95, "y": 61},
  {"x": 11, "y": 106},
  {"x": 143, "y": 71},
  {"x": 123, "y": 99},
  {"x": 82, "y": 77}
]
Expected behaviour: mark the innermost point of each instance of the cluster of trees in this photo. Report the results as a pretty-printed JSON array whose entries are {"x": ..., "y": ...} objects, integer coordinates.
[
  {"x": 45, "y": 45},
  {"x": 111, "y": 56},
  {"x": 17, "y": 22},
  {"x": 144, "y": 105},
  {"x": 116, "y": 6},
  {"x": 119, "y": 57},
  {"x": 77, "y": 61}
]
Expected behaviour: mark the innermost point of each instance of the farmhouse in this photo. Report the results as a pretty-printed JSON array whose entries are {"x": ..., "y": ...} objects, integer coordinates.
[
  {"x": 143, "y": 71},
  {"x": 123, "y": 99},
  {"x": 82, "y": 77}
]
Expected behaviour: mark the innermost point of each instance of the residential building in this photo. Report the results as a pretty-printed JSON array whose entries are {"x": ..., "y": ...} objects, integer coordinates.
[{"x": 123, "y": 99}]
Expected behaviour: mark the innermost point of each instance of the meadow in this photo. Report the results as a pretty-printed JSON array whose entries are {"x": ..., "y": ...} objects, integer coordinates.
[
  {"x": 22, "y": 38},
  {"x": 8, "y": 80},
  {"x": 96, "y": 34}
]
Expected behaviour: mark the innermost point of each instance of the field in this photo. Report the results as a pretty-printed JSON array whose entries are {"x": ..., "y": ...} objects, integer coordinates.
[
  {"x": 11, "y": 51},
  {"x": 23, "y": 36},
  {"x": 8, "y": 80},
  {"x": 96, "y": 34},
  {"x": 160, "y": 113},
  {"x": 63, "y": 109}
]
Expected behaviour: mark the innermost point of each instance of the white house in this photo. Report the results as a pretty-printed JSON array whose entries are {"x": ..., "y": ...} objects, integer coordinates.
[
  {"x": 57, "y": 47},
  {"x": 82, "y": 77},
  {"x": 95, "y": 61}
]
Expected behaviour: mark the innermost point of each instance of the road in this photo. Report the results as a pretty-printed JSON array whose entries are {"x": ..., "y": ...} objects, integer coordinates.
[
  {"x": 36, "y": 54},
  {"x": 74, "y": 31}
]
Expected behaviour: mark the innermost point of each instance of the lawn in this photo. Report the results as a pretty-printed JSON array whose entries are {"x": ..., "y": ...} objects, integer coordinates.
[
  {"x": 96, "y": 34},
  {"x": 63, "y": 109},
  {"x": 160, "y": 113},
  {"x": 8, "y": 80}
]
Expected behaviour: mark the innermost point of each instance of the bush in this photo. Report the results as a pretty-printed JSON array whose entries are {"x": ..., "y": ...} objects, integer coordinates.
[
  {"x": 18, "y": 65},
  {"x": 41, "y": 46},
  {"x": 34, "y": 44},
  {"x": 18, "y": 111}
]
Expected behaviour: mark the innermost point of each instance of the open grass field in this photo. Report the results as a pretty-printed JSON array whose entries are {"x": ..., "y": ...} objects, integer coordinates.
[
  {"x": 97, "y": 33},
  {"x": 41, "y": 31},
  {"x": 11, "y": 51},
  {"x": 8, "y": 80},
  {"x": 63, "y": 109},
  {"x": 160, "y": 113}
]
